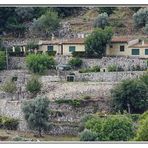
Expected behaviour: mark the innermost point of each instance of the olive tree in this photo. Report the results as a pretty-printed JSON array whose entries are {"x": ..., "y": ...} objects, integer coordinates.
[
  {"x": 45, "y": 25},
  {"x": 130, "y": 95},
  {"x": 95, "y": 43},
  {"x": 36, "y": 114},
  {"x": 101, "y": 21}
]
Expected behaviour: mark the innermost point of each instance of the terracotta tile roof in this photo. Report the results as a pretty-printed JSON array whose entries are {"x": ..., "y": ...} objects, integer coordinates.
[
  {"x": 115, "y": 39},
  {"x": 121, "y": 39},
  {"x": 139, "y": 45}
]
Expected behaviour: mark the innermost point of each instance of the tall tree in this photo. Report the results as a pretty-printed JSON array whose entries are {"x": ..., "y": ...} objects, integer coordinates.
[
  {"x": 95, "y": 43},
  {"x": 37, "y": 113}
]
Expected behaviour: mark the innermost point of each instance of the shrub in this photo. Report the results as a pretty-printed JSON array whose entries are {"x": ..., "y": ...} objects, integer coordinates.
[
  {"x": 37, "y": 114},
  {"x": 108, "y": 10},
  {"x": 9, "y": 87},
  {"x": 75, "y": 62},
  {"x": 142, "y": 131},
  {"x": 117, "y": 128},
  {"x": 87, "y": 97},
  {"x": 93, "y": 69},
  {"x": 8, "y": 123},
  {"x": 74, "y": 102},
  {"x": 80, "y": 54},
  {"x": 101, "y": 21},
  {"x": 51, "y": 53},
  {"x": 34, "y": 86},
  {"x": 39, "y": 63},
  {"x": 112, "y": 68},
  {"x": 88, "y": 135},
  {"x": 2, "y": 60},
  {"x": 130, "y": 95},
  {"x": 144, "y": 78}
]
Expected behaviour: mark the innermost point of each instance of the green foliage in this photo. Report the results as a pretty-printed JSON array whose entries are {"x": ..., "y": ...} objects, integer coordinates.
[
  {"x": 130, "y": 94},
  {"x": 92, "y": 69},
  {"x": 135, "y": 9},
  {"x": 136, "y": 68},
  {"x": 51, "y": 53},
  {"x": 2, "y": 60},
  {"x": 111, "y": 128},
  {"x": 75, "y": 62},
  {"x": 88, "y": 135},
  {"x": 108, "y": 10},
  {"x": 34, "y": 86},
  {"x": 101, "y": 21},
  {"x": 9, "y": 87},
  {"x": 112, "y": 68},
  {"x": 39, "y": 63},
  {"x": 79, "y": 54},
  {"x": 36, "y": 114},
  {"x": 146, "y": 29},
  {"x": 8, "y": 123},
  {"x": 32, "y": 45},
  {"x": 45, "y": 25},
  {"x": 142, "y": 131},
  {"x": 117, "y": 128},
  {"x": 95, "y": 43},
  {"x": 74, "y": 102},
  {"x": 141, "y": 17},
  {"x": 144, "y": 78}
]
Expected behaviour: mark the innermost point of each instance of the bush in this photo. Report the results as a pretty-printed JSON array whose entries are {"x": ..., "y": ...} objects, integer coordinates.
[
  {"x": 9, "y": 123},
  {"x": 74, "y": 102},
  {"x": 112, "y": 68},
  {"x": 75, "y": 62},
  {"x": 2, "y": 60},
  {"x": 51, "y": 53},
  {"x": 88, "y": 135},
  {"x": 108, "y": 10},
  {"x": 93, "y": 69},
  {"x": 130, "y": 95},
  {"x": 39, "y": 63},
  {"x": 101, "y": 21},
  {"x": 34, "y": 86},
  {"x": 80, "y": 54},
  {"x": 117, "y": 128},
  {"x": 142, "y": 131},
  {"x": 111, "y": 128},
  {"x": 9, "y": 87}
]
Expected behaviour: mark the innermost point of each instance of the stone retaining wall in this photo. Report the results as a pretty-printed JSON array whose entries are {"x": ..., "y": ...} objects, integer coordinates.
[{"x": 64, "y": 119}]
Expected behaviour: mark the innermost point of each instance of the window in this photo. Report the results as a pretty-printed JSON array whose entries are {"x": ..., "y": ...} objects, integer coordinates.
[
  {"x": 135, "y": 51},
  {"x": 122, "y": 48},
  {"x": 50, "y": 48},
  {"x": 111, "y": 46},
  {"x": 72, "y": 48},
  {"x": 146, "y": 51}
]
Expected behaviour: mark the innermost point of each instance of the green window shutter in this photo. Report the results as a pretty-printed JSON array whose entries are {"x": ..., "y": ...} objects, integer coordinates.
[
  {"x": 72, "y": 48},
  {"x": 50, "y": 48},
  {"x": 135, "y": 51},
  {"x": 146, "y": 51}
]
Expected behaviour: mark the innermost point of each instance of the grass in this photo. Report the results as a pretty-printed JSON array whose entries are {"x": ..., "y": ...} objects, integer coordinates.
[{"x": 8, "y": 135}]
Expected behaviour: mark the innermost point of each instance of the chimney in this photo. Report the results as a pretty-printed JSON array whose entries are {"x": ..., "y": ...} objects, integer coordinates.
[{"x": 142, "y": 42}]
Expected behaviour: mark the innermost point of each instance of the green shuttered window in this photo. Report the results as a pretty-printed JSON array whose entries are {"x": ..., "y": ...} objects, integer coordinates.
[
  {"x": 135, "y": 51},
  {"x": 72, "y": 48},
  {"x": 50, "y": 48},
  {"x": 146, "y": 51}
]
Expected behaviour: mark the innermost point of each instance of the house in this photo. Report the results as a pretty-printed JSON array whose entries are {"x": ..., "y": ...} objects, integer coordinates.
[{"x": 118, "y": 46}]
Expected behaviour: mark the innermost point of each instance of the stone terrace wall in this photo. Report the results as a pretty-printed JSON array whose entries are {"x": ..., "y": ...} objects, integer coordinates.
[
  {"x": 125, "y": 63},
  {"x": 108, "y": 76},
  {"x": 64, "y": 119}
]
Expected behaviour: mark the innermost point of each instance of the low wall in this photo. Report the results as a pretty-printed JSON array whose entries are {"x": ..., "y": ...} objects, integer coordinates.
[
  {"x": 64, "y": 118},
  {"x": 108, "y": 76}
]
